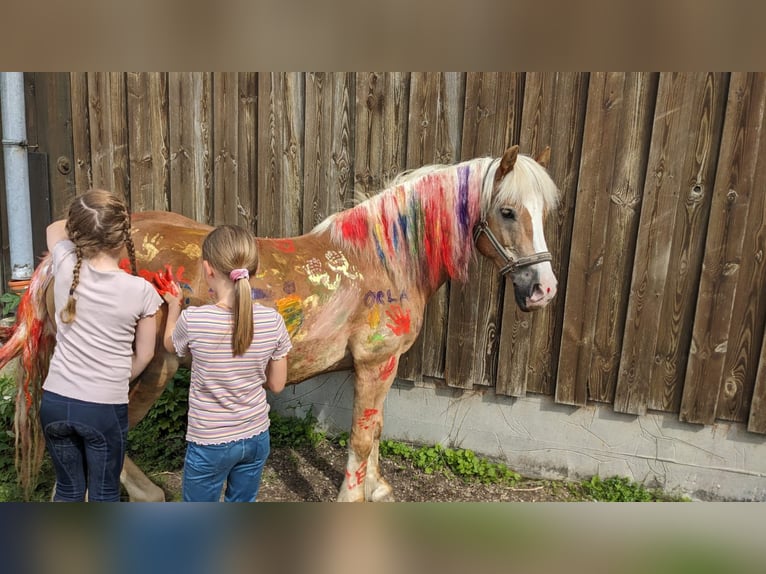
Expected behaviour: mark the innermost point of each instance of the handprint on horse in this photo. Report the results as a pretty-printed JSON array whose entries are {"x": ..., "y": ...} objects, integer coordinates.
[{"x": 352, "y": 291}]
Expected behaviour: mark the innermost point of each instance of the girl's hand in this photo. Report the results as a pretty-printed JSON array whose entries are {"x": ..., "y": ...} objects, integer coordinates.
[{"x": 173, "y": 296}]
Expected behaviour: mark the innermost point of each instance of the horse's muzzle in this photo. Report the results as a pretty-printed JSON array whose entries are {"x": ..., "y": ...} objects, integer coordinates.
[{"x": 529, "y": 291}]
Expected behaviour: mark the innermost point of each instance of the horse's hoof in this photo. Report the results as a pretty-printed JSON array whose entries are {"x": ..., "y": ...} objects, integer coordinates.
[
  {"x": 344, "y": 497},
  {"x": 382, "y": 494}
]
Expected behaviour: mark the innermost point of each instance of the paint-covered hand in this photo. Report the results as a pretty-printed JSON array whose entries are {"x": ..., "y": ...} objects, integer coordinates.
[{"x": 167, "y": 286}]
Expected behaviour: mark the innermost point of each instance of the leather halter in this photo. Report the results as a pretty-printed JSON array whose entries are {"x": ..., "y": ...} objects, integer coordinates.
[{"x": 511, "y": 265}]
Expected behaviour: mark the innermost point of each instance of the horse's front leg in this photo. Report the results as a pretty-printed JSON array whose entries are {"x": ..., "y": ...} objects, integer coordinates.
[{"x": 363, "y": 480}]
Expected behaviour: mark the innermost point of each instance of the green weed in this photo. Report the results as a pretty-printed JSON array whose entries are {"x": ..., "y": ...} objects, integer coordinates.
[
  {"x": 462, "y": 463},
  {"x": 621, "y": 489}
]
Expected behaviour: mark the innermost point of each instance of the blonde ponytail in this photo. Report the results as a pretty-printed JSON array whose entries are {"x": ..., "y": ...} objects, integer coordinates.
[{"x": 242, "y": 334}]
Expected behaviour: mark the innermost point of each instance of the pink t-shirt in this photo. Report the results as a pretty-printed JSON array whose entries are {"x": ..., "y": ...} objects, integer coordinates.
[
  {"x": 227, "y": 400},
  {"x": 93, "y": 354}
]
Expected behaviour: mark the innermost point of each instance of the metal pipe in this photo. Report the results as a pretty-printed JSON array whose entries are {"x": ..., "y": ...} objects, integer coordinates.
[{"x": 16, "y": 174}]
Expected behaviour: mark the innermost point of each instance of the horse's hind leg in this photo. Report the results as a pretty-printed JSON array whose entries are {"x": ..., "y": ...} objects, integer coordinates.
[
  {"x": 363, "y": 480},
  {"x": 143, "y": 393}
]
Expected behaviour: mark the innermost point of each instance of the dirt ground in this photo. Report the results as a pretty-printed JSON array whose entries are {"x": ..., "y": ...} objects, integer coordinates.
[{"x": 314, "y": 474}]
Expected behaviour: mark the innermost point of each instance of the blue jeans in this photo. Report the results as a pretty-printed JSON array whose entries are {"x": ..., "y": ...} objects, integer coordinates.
[
  {"x": 239, "y": 463},
  {"x": 87, "y": 443}
]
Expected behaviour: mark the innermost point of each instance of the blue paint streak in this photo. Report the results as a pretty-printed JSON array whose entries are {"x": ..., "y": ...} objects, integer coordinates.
[{"x": 462, "y": 203}]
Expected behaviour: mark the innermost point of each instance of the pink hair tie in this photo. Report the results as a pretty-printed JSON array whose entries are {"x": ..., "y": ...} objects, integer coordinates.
[{"x": 237, "y": 274}]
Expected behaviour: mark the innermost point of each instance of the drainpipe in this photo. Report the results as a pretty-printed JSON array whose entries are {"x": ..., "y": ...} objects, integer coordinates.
[{"x": 16, "y": 175}]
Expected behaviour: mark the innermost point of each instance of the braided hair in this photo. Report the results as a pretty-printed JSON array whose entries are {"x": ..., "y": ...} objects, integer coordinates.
[
  {"x": 230, "y": 247},
  {"x": 98, "y": 221}
]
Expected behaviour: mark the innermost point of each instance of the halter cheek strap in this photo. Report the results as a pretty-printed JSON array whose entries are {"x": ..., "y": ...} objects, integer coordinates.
[{"x": 511, "y": 265}]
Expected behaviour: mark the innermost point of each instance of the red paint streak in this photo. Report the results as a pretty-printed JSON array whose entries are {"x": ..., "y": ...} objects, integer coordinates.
[
  {"x": 401, "y": 320},
  {"x": 548, "y": 290},
  {"x": 388, "y": 368},
  {"x": 364, "y": 421},
  {"x": 354, "y": 225},
  {"x": 446, "y": 234},
  {"x": 359, "y": 475},
  {"x": 384, "y": 221},
  {"x": 164, "y": 281},
  {"x": 284, "y": 245}
]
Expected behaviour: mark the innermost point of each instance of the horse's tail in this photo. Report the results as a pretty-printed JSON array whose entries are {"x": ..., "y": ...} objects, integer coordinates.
[{"x": 32, "y": 340}]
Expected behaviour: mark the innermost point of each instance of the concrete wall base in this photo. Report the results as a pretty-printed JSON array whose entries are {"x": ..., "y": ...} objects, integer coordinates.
[{"x": 541, "y": 439}]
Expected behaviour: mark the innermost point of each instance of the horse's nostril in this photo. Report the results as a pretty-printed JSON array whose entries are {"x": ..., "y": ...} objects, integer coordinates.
[{"x": 536, "y": 293}]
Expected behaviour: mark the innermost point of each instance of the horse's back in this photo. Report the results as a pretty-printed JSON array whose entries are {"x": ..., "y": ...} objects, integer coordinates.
[{"x": 168, "y": 218}]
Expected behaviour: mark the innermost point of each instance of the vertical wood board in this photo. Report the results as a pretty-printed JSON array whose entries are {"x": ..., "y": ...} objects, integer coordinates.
[{"x": 615, "y": 149}]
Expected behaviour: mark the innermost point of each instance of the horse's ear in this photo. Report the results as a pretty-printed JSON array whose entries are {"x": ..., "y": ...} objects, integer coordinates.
[
  {"x": 545, "y": 157},
  {"x": 508, "y": 161}
]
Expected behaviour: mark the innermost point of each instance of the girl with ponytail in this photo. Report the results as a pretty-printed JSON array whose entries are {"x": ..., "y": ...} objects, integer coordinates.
[
  {"x": 238, "y": 349},
  {"x": 105, "y": 337}
]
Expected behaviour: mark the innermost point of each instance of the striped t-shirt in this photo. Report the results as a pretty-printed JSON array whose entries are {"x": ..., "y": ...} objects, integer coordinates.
[{"x": 227, "y": 400}]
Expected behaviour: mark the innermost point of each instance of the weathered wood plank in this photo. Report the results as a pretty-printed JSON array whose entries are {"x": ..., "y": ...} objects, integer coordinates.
[
  {"x": 748, "y": 315},
  {"x": 553, "y": 114},
  {"x": 53, "y": 127},
  {"x": 247, "y": 166},
  {"x": 688, "y": 240},
  {"x": 380, "y": 134},
  {"x": 740, "y": 170},
  {"x": 83, "y": 170},
  {"x": 615, "y": 152},
  {"x": 491, "y": 124},
  {"x": 108, "y": 132},
  {"x": 433, "y": 136},
  {"x": 225, "y": 147},
  {"x": 329, "y": 152},
  {"x": 686, "y": 124},
  {"x": 280, "y": 154},
  {"x": 190, "y": 108},
  {"x": 148, "y": 140}
]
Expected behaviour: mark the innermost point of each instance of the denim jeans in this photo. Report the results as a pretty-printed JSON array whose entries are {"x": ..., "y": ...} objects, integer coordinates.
[
  {"x": 87, "y": 443},
  {"x": 239, "y": 463}
]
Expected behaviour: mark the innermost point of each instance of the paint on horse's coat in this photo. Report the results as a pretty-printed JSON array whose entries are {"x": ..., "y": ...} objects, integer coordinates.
[
  {"x": 387, "y": 370},
  {"x": 149, "y": 250},
  {"x": 291, "y": 309},
  {"x": 400, "y": 318},
  {"x": 372, "y": 298},
  {"x": 191, "y": 250},
  {"x": 359, "y": 475},
  {"x": 285, "y": 245}
]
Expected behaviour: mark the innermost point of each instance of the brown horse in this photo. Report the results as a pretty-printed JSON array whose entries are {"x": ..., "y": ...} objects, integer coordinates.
[{"x": 352, "y": 291}]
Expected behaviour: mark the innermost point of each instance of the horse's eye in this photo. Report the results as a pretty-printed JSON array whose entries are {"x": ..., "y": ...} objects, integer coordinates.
[{"x": 508, "y": 213}]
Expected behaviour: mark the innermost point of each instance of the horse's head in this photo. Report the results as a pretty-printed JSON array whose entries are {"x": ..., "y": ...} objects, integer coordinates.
[{"x": 511, "y": 228}]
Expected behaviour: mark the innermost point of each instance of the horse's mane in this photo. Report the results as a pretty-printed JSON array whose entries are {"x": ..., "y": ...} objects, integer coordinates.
[{"x": 422, "y": 222}]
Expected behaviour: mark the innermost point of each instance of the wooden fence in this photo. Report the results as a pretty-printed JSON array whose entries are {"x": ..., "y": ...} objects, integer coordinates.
[{"x": 658, "y": 245}]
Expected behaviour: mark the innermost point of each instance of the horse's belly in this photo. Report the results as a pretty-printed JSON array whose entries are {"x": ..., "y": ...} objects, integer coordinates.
[{"x": 311, "y": 358}]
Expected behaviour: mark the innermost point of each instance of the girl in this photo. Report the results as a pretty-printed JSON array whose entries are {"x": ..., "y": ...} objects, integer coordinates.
[
  {"x": 237, "y": 348},
  {"x": 103, "y": 312}
]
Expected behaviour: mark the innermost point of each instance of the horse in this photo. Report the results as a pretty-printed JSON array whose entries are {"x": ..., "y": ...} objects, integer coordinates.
[{"x": 352, "y": 291}]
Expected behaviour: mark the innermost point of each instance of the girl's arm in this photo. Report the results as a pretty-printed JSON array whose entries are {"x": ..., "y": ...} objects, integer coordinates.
[
  {"x": 174, "y": 311},
  {"x": 276, "y": 375},
  {"x": 145, "y": 340},
  {"x": 55, "y": 232}
]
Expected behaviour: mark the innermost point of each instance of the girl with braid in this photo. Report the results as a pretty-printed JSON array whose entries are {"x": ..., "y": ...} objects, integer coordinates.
[
  {"x": 105, "y": 337},
  {"x": 237, "y": 349}
]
